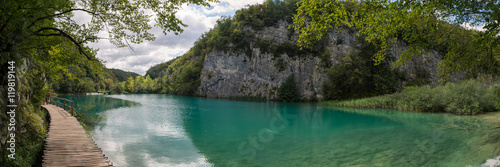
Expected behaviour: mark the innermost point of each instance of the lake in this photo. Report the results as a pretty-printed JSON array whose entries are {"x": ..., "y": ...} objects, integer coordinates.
[{"x": 168, "y": 130}]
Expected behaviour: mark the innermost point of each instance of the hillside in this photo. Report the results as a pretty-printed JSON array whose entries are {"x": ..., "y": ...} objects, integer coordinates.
[
  {"x": 156, "y": 70},
  {"x": 121, "y": 75},
  {"x": 253, "y": 53},
  {"x": 84, "y": 78}
]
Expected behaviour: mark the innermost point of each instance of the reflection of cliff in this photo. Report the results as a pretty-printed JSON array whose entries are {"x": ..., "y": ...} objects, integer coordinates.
[{"x": 230, "y": 133}]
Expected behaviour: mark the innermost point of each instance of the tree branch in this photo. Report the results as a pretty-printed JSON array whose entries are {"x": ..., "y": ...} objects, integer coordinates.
[
  {"x": 61, "y": 13},
  {"x": 63, "y": 34}
]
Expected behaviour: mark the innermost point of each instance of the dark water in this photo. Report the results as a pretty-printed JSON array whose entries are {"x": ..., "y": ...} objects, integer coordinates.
[{"x": 165, "y": 130}]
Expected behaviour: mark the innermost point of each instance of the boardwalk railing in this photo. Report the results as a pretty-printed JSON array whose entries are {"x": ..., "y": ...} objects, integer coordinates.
[{"x": 66, "y": 104}]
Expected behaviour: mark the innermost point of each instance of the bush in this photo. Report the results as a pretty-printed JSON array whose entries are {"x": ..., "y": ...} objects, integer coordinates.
[
  {"x": 464, "y": 98},
  {"x": 467, "y": 97},
  {"x": 424, "y": 98},
  {"x": 288, "y": 91},
  {"x": 495, "y": 89}
]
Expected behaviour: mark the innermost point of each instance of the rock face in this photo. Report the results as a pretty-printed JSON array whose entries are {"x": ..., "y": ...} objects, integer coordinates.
[{"x": 233, "y": 74}]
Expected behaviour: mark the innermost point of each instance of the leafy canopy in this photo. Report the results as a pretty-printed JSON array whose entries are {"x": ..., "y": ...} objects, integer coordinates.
[
  {"x": 124, "y": 21},
  {"x": 383, "y": 22}
]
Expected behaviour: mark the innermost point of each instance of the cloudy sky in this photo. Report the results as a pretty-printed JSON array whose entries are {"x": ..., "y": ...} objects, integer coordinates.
[{"x": 165, "y": 47}]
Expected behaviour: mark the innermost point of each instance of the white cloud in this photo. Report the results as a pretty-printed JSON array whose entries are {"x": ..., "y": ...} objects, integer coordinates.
[
  {"x": 229, "y": 6},
  {"x": 165, "y": 47},
  {"x": 472, "y": 27}
]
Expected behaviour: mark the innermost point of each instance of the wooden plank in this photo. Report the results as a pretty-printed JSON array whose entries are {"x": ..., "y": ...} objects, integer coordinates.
[{"x": 67, "y": 143}]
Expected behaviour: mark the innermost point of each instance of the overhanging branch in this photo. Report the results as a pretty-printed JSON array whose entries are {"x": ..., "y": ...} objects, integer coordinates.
[
  {"x": 63, "y": 34},
  {"x": 61, "y": 13}
]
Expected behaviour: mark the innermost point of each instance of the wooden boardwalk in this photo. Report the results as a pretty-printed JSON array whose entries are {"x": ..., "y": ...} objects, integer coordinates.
[{"x": 67, "y": 143}]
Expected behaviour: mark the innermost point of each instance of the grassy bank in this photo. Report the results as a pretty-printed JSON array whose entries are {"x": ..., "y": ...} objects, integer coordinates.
[{"x": 463, "y": 98}]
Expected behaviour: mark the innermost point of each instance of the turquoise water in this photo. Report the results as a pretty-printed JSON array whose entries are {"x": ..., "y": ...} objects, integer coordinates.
[{"x": 166, "y": 130}]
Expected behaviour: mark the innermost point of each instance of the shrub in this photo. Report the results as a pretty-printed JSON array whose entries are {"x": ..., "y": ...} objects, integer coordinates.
[
  {"x": 495, "y": 89},
  {"x": 425, "y": 99},
  {"x": 467, "y": 97},
  {"x": 288, "y": 91}
]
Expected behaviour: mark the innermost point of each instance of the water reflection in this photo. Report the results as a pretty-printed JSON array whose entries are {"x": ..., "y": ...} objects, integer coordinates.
[
  {"x": 95, "y": 104},
  {"x": 92, "y": 108},
  {"x": 185, "y": 131},
  {"x": 148, "y": 135}
]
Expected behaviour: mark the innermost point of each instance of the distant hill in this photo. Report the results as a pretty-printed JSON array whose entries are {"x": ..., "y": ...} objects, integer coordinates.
[
  {"x": 121, "y": 75},
  {"x": 156, "y": 70}
]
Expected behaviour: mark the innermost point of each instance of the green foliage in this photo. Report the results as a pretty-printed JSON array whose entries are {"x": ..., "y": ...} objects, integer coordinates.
[
  {"x": 325, "y": 59},
  {"x": 117, "y": 88},
  {"x": 183, "y": 75},
  {"x": 138, "y": 84},
  {"x": 120, "y": 75},
  {"x": 280, "y": 64},
  {"x": 464, "y": 98},
  {"x": 495, "y": 89},
  {"x": 467, "y": 98},
  {"x": 288, "y": 91},
  {"x": 227, "y": 35},
  {"x": 30, "y": 121},
  {"x": 355, "y": 76},
  {"x": 271, "y": 47},
  {"x": 425, "y": 98},
  {"x": 267, "y": 14},
  {"x": 156, "y": 71},
  {"x": 83, "y": 78},
  {"x": 423, "y": 25}
]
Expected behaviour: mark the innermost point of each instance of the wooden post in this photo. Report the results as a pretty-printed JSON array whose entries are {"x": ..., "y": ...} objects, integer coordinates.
[{"x": 72, "y": 109}]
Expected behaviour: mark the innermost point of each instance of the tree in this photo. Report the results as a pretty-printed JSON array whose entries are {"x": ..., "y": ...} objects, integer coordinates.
[
  {"x": 288, "y": 91},
  {"x": 117, "y": 88},
  {"x": 417, "y": 23},
  {"x": 25, "y": 22},
  {"x": 355, "y": 76}
]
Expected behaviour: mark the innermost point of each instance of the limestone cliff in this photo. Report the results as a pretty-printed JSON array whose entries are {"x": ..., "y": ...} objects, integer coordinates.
[
  {"x": 233, "y": 74},
  {"x": 251, "y": 55}
]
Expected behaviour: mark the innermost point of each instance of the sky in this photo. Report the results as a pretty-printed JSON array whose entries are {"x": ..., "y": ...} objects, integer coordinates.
[{"x": 165, "y": 47}]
